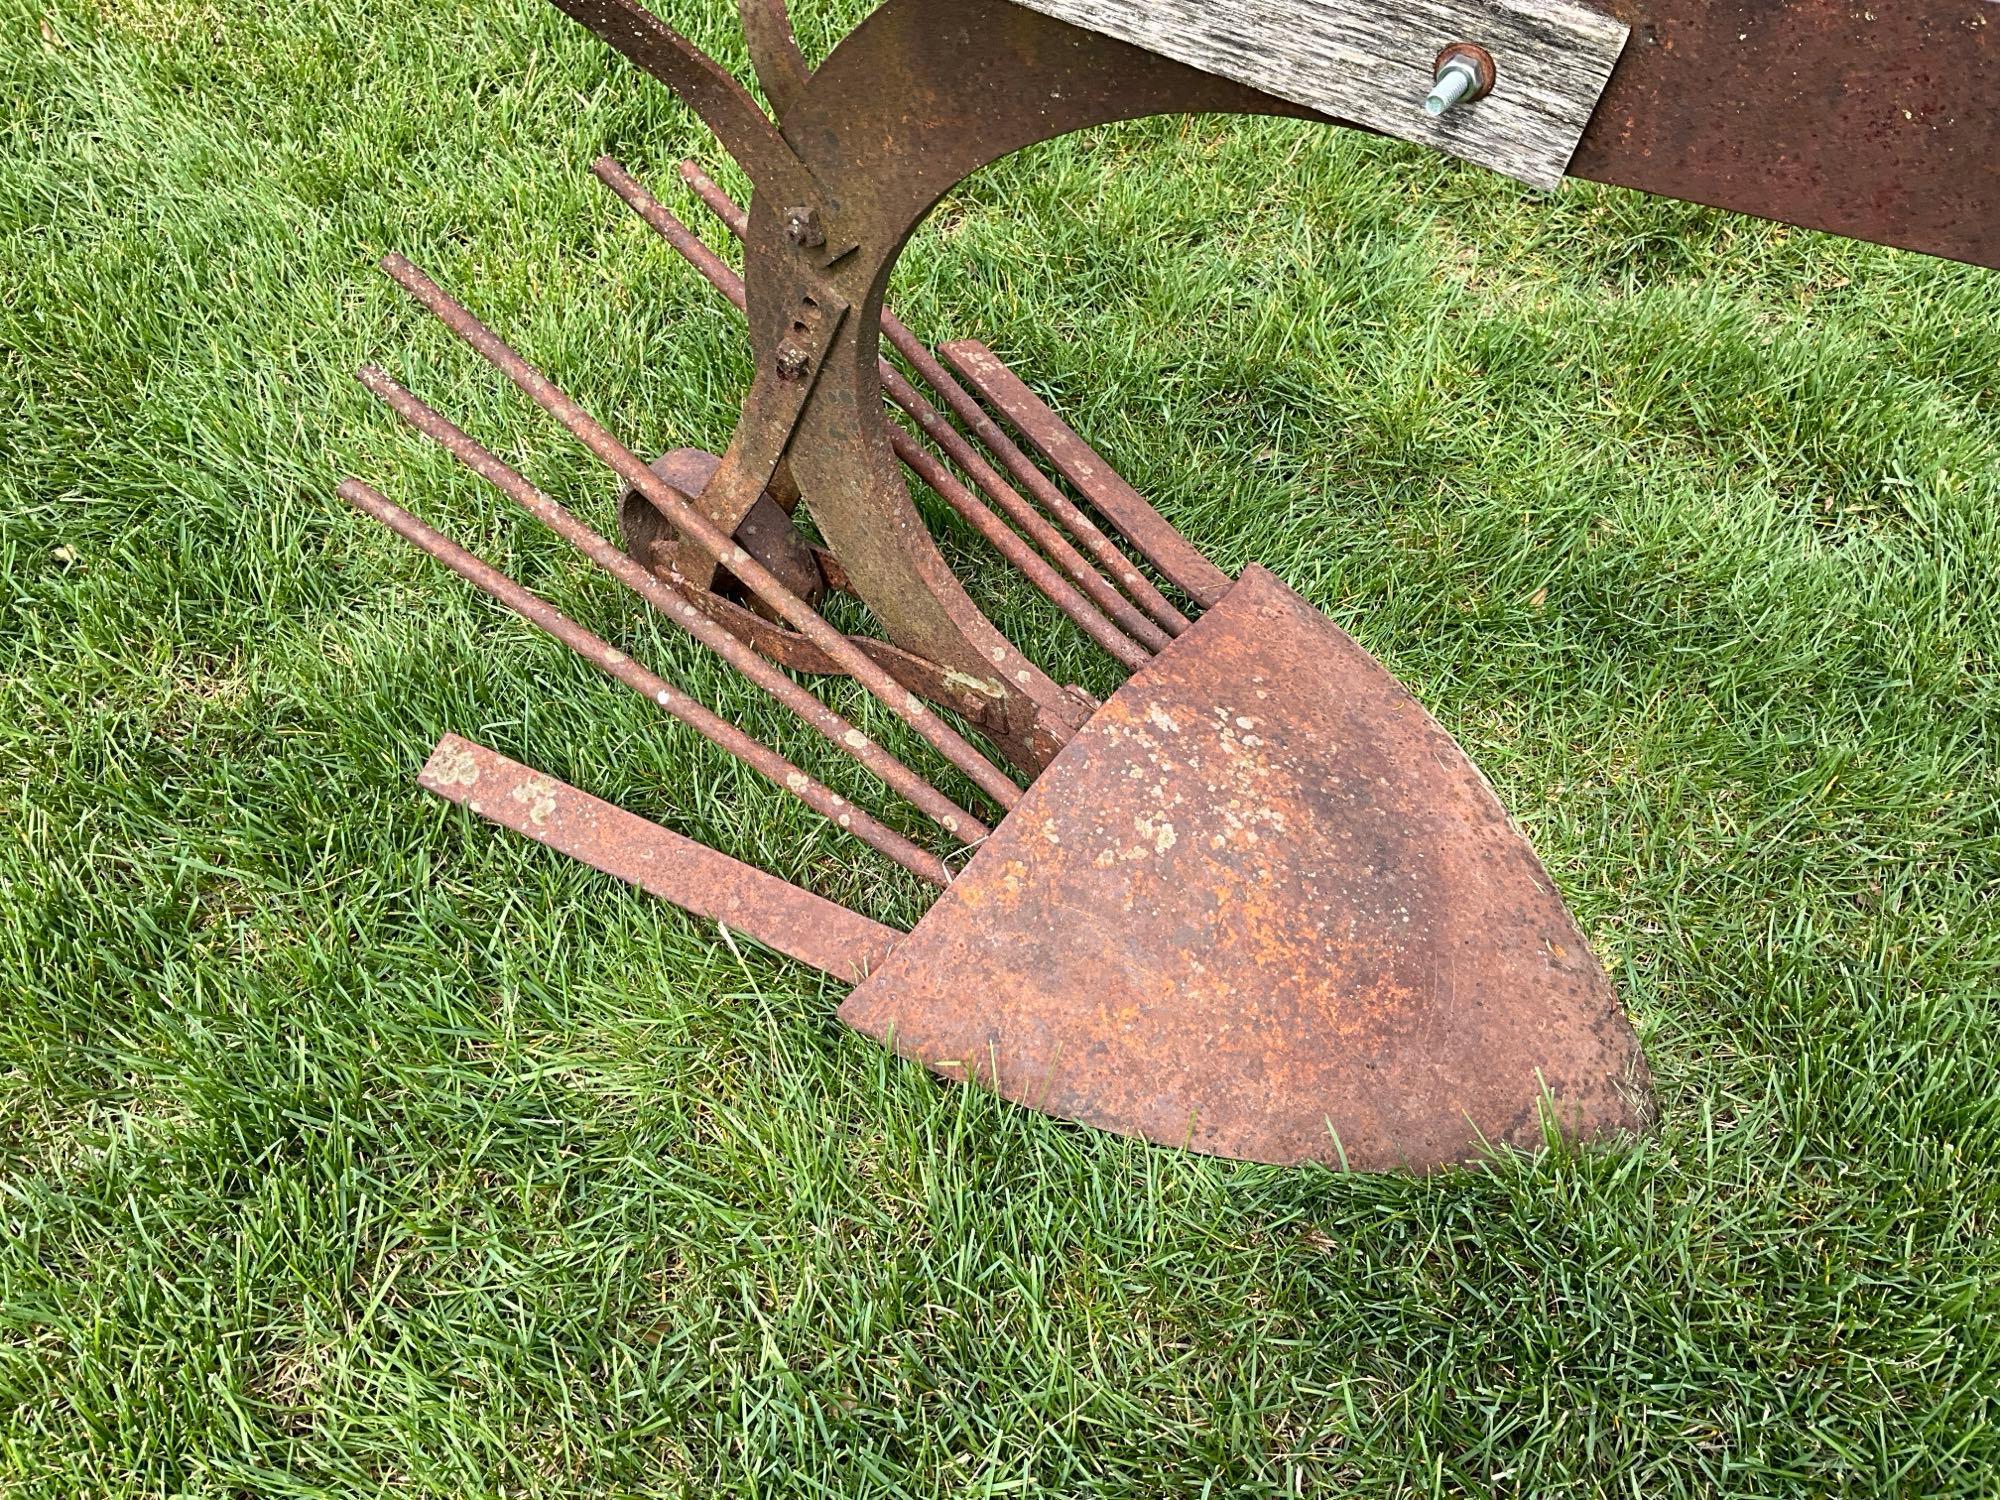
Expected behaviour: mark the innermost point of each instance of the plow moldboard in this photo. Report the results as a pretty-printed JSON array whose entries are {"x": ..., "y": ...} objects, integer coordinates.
[{"x": 1263, "y": 906}]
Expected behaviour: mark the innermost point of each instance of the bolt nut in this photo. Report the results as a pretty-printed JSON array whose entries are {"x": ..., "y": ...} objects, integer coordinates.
[
  {"x": 1464, "y": 72},
  {"x": 803, "y": 228},
  {"x": 793, "y": 362}
]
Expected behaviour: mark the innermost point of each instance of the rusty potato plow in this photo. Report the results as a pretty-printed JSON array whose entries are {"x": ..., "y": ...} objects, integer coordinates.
[{"x": 1257, "y": 903}]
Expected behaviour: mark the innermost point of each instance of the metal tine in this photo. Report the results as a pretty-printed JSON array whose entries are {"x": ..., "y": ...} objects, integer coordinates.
[
  {"x": 1128, "y": 652},
  {"x": 1151, "y": 535},
  {"x": 1049, "y": 583},
  {"x": 606, "y": 658},
  {"x": 1058, "y": 547},
  {"x": 968, "y": 410},
  {"x": 680, "y": 511},
  {"x": 940, "y": 431},
  {"x": 670, "y": 603},
  {"x": 1156, "y": 604},
  {"x": 1117, "y": 637}
]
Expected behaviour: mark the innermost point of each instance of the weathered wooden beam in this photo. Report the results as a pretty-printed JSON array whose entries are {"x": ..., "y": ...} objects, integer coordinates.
[{"x": 1373, "y": 64}]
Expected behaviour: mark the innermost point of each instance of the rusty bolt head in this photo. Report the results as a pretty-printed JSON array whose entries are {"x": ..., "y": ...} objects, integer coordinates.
[
  {"x": 793, "y": 362},
  {"x": 803, "y": 228}
]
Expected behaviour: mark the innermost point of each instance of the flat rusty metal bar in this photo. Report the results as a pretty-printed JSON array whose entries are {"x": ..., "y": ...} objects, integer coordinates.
[
  {"x": 700, "y": 880},
  {"x": 692, "y": 524},
  {"x": 670, "y": 603},
  {"x": 1127, "y": 510},
  {"x": 614, "y": 663},
  {"x": 774, "y": 52},
  {"x": 1129, "y": 652},
  {"x": 1057, "y": 547},
  {"x": 707, "y": 88}
]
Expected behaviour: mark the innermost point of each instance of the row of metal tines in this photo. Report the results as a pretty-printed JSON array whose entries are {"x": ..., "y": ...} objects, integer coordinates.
[{"x": 1113, "y": 603}]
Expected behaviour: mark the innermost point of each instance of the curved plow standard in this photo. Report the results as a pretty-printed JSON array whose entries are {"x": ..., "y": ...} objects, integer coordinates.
[{"x": 1257, "y": 903}]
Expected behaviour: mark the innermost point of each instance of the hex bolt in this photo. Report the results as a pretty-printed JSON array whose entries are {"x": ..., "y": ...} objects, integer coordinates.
[
  {"x": 1463, "y": 72},
  {"x": 803, "y": 228},
  {"x": 793, "y": 362}
]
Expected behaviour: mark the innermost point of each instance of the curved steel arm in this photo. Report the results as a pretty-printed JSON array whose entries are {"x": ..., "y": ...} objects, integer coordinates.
[
  {"x": 920, "y": 96},
  {"x": 724, "y": 105},
  {"x": 774, "y": 52}
]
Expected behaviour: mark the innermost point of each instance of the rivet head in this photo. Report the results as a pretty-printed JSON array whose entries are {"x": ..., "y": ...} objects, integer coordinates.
[
  {"x": 803, "y": 228},
  {"x": 793, "y": 362}
]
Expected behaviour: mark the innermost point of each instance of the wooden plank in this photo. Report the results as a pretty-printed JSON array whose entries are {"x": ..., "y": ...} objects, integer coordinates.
[
  {"x": 693, "y": 876},
  {"x": 1374, "y": 63}
]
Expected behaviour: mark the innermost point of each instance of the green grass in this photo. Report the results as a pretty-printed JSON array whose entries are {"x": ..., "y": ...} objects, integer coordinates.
[{"x": 350, "y": 1147}]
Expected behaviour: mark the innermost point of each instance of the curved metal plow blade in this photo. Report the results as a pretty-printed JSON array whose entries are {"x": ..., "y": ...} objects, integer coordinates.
[{"x": 1264, "y": 907}]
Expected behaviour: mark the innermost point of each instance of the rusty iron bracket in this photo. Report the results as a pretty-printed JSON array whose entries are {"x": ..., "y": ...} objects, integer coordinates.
[{"x": 778, "y": 396}]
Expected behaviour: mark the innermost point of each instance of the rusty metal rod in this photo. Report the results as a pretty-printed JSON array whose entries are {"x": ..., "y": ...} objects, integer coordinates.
[
  {"x": 932, "y": 372},
  {"x": 1104, "y": 599},
  {"x": 969, "y": 411},
  {"x": 973, "y": 415},
  {"x": 672, "y": 604},
  {"x": 697, "y": 528},
  {"x": 1041, "y": 532},
  {"x": 601, "y": 654},
  {"x": 1149, "y": 533},
  {"x": 692, "y": 247},
  {"x": 1129, "y": 653}
]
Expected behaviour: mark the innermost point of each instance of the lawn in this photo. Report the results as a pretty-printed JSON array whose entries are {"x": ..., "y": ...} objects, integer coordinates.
[{"x": 349, "y": 1146}]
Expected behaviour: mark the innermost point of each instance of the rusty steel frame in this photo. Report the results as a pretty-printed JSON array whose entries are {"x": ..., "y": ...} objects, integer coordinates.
[
  {"x": 976, "y": 80},
  {"x": 886, "y": 156},
  {"x": 1874, "y": 122},
  {"x": 1296, "y": 923}
]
